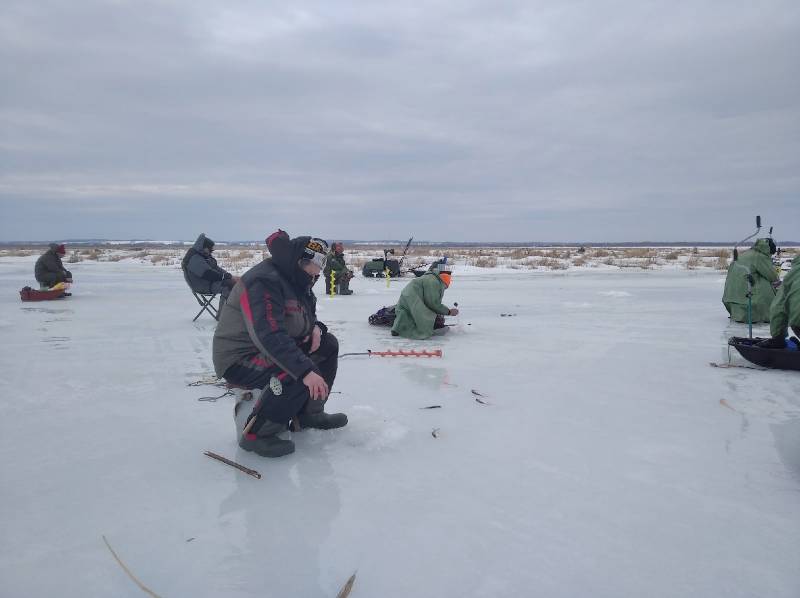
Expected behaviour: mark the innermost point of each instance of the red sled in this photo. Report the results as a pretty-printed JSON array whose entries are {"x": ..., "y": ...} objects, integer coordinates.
[{"x": 29, "y": 294}]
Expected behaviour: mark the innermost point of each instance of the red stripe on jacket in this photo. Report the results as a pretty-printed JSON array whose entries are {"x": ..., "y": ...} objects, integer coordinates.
[
  {"x": 270, "y": 316},
  {"x": 244, "y": 302}
]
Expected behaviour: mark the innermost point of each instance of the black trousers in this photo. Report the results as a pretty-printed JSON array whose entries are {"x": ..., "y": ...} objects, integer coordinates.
[{"x": 293, "y": 396}]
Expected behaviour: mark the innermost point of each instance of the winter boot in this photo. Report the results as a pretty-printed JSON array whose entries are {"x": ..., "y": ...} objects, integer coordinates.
[
  {"x": 265, "y": 442},
  {"x": 322, "y": 420}
]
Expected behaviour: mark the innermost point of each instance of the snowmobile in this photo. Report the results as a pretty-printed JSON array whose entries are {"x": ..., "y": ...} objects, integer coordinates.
[{"x": 377, "y": 267}]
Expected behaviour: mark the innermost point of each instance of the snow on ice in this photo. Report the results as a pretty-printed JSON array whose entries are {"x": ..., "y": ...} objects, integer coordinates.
[{"x": 605, "y": 465}]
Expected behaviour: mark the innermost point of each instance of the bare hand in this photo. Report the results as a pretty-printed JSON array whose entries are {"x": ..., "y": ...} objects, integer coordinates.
[
  {"x": 316, "y": 338},
  {"x": 454, "y": 311},
  {"x": 317, "y": 387}
]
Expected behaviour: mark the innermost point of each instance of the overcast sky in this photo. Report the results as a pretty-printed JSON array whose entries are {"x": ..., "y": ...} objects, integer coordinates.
[{"x": 449, "y": 120}]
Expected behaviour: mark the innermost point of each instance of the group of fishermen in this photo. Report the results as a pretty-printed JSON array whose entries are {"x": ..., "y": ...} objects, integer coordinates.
[
  {"x": 755, "y": 293},
  {"x": 268, "y": 335}
]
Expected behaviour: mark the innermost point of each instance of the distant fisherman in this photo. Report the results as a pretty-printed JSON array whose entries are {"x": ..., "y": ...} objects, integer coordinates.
[
  {"x": 341, "y": 273},
  {"x": 203, "y": 272},
  {"x": 755, "y": 261},
  {"x": 49, "y": 269}
]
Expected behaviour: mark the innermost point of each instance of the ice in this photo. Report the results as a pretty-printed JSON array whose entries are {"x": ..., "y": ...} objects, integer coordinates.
[{"x": 611, "y": 462}]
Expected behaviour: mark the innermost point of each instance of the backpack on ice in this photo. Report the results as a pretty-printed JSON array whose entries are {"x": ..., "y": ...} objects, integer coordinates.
[{"x": 385, "y": 316}]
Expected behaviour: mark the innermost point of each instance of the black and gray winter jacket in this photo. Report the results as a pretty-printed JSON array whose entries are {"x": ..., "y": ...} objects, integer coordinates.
[
  {"x": 49, "y": 268},
  {"x": 269, "y": 316},
  {"x": 201, "y": 269}
]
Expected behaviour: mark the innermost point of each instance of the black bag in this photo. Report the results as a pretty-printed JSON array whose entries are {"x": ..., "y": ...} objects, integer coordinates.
[{"x": 383, "y": 317}]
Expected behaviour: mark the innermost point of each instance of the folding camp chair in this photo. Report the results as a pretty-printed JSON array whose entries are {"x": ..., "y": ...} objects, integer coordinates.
[{"x": 204, "y": 300}]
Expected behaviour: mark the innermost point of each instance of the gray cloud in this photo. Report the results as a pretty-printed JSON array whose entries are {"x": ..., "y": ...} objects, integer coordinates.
[{"x": 449, "y": 120}]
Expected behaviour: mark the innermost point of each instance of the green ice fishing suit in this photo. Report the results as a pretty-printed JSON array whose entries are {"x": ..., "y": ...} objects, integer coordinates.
[
  {"x": 785, "y": 309},
  {"x": 419, "y": 304},
  {"x": 755, "y": 261}
]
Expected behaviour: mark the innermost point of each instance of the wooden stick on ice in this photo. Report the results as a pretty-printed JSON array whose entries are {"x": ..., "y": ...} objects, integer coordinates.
[{"x": 247, "y": 470}]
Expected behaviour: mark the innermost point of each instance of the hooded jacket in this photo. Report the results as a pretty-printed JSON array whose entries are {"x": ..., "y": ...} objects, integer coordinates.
[
  {"x": 785, "y": 308},
  {"x": 201, "y": 269},
  {"x": 336, "y": 264},
  {"x": 269, "y": 316},
  {"x": 418, "y": 306},
  {"x": 49, "y": 269},
  {"x": 755, "y": 261}
]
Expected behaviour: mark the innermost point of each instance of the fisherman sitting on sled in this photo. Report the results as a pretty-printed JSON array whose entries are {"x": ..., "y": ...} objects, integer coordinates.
[
  {"x": 49, "y": 269},
  {"x": 784, "y": 313}
]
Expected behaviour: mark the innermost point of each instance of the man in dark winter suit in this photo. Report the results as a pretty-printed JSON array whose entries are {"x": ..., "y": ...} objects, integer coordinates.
[
  {"x": 269, "y": 337},
  {"x": 203, "y": 273},
  {"x": 49, "y": 269}
]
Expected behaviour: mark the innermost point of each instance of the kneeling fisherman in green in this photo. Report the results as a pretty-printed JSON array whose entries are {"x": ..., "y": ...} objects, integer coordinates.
[
  {"x": 420, "y": 303},
  {"x": 785, "y": 310},
  {"x": 755, "y": 261}
]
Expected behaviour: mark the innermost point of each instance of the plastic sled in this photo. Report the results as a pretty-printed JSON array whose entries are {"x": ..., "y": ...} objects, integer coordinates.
[
  {"x": 779, "y": 359},
  {"x": 29, "y": 294}
]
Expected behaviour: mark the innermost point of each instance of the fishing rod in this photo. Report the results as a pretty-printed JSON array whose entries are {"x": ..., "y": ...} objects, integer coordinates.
[
  {"x": 736, "y": 247},
  {"x": 400, "y": 263}
]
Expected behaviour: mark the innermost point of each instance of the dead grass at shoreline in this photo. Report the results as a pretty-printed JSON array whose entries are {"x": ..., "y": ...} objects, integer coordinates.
[{"x": 238, "y": 259}]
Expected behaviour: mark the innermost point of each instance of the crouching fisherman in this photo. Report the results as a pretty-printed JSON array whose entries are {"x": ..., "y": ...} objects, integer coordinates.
[
  {"x": 784, "y": 313},
  {"x": 420, "y": 303},
  {"x": 268, "y": 337},
  {"x": 50, "y": 270},
  {"x": 341, "y": 273},
  {"x": 754, "y": 262}
]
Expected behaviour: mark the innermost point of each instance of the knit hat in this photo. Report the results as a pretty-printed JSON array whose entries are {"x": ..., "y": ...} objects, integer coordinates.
[
  {"x": 442, "y": 266},
  {"x": 278, "y": 234},
  {"x": 316, "y": 251}
]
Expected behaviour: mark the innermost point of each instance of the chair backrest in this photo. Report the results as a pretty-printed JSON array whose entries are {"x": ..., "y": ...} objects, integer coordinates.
[{"x": 204, "y": 292}]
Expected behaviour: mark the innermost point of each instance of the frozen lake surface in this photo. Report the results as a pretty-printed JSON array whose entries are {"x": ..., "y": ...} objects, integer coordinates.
[{"x": 606, "y": 464}]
